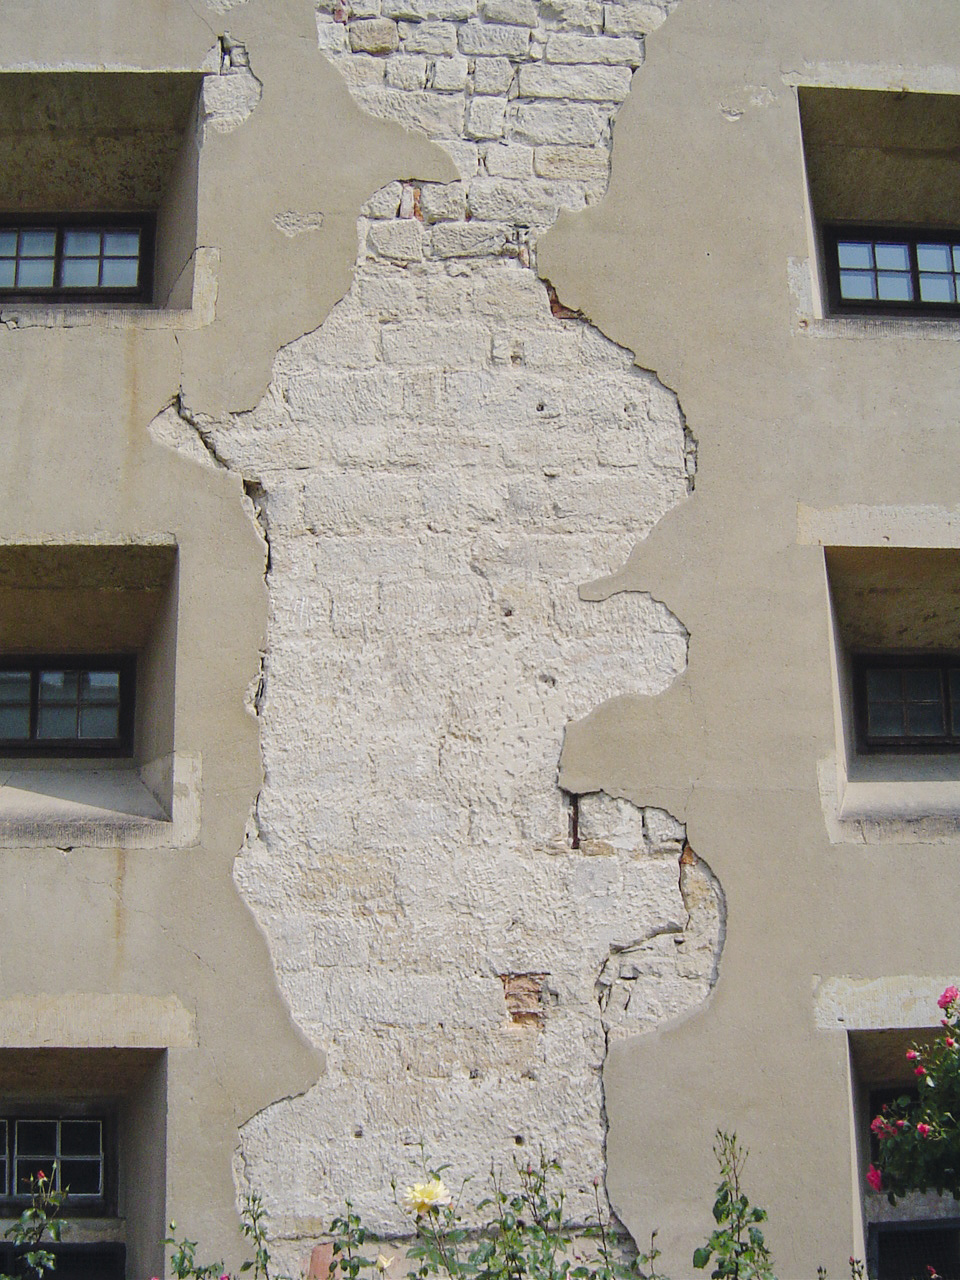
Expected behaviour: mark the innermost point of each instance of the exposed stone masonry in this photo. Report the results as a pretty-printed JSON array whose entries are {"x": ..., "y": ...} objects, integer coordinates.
[{"x": 438, "y": 467}]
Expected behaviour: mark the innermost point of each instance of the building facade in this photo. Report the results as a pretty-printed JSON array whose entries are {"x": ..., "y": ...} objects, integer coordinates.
[{"x": 479, "y": 568}]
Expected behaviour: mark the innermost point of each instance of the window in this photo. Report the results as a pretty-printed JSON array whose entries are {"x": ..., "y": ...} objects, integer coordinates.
[
  {"x": 907, "y": 702},
  {"x": 883, "y": 199},
  {"x": 67, "y": 705},
  {"x": 890, "y": 269},
  {"x": 70, "y": 1150},
  {"x": 98, "y": 187},
  {"x": 900, "y": 1251},
  {"x": 79, "y": 259},
  {"x": 895, "y": 665}
]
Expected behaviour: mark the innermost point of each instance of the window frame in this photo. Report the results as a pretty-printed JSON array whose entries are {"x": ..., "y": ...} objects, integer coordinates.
[
  {"x": 102, "y": 1206},
  {"x": 119, "y": 747},
  {"x": 145, "y": 223},
  {"x": 832, "y": 232},
  {"x": 865, "y": 745}
]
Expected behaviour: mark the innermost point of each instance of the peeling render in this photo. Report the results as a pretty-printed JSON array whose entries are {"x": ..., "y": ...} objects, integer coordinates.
[{"x": 436, "y": 469}]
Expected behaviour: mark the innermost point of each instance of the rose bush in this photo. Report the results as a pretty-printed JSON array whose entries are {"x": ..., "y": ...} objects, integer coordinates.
[{"x": 919, "y": 1138}]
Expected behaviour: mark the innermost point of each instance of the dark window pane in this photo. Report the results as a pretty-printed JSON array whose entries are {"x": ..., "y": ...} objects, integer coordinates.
[
  {"x": 37, "y": 1138},
  {"x": 857, "y": 285},
  {"x": 894, "y": 287},
  {"x": 99, "y": 722},
  {"x": 924, "y": 719},
  {"x": 856, "y": 254},
  {"x": 937, "y": 289},
  {"x": 37, "y": 244},
  {"x": 121, "y": 244},
  {"x": 885, "y": 720},
  {"x": 80, "y": 1177},
  {"x": 891, "y": 257},
  {"x": 8, "y": 244},
  {"x": 883, "y": 683},
  {"x": 59, "y": 687},
  {"x": 28, "y": 1171},
  {"x": 100, "y": 686},
  {"x": 922, "y": 684},
  {"x": 81, "y": 244},
  {"x": 934, "y": 257},
  {"x": 35, "y": 273},
  {"x": 15, "y": 723},
  {"x": 80, "y": 273},
  {"x": 14, "y": 687},
  {"x": 120, "y": 273},
  {"x": 80, "y": 1137},
  {"x": 8, "y": 273}
]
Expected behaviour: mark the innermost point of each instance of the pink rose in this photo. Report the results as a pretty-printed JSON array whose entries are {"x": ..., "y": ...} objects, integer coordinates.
[
  {"x": 950, "y": 1042},
  {"x": 920, "y": 1071},
  {"x": 875, "y": 1178},
  {"x": 922, "y": 1129},
  {"x": 912, "y": 1055},
  {"x": 901, "y": 1124},
  {"x": 949, "y": 997}
]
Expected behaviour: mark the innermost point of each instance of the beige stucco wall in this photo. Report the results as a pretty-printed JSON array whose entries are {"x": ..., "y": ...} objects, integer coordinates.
[{"x": 439, "y": 455}]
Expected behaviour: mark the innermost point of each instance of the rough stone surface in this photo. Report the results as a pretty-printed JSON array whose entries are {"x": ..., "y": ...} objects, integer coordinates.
[{"x": 437, "y": 468}]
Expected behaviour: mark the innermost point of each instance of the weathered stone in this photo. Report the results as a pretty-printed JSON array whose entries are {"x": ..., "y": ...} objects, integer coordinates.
[
  {"x": 374, "y": 35},
  {"x": 443, "y": 202},
  {"x": 492, "y": 75},
  {"x": 436, "y": 114},
  {"x": 485, "y": 117},
  {"x": 406, "y": 71},
  {"x": 503, "y": 160},
  {"x": 574, "y": 164},
  {"x": 584, "y": 83},
  {"x": 607, "y": 50},
  {"x": 430, "y": 10},
  {"x": 574, "y": 123},
  {"x": 449, "y": 74},
  {"x": 400, "y": 241},
  {"x": 428, "y": 37},
  {"x": 632, "y": 18},
  {"x": 493, "y": 39},
  {"x": 468, "y": 240},
  {"x": 516, "y": 13}
]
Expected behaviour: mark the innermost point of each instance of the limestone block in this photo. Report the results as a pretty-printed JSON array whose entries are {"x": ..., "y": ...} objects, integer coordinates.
[
  {"x": 384, "y": 203},
  {"x": 492, "y": 75},
  {"x": 584, "y": 83},
  {"x": 406, "y": 71},
  {"x": 632, "y": 18},
  {"x": 439, "y": 115},
  {"x": 362, "y": 71},
  {"x": 468, "y": 239},
  {"x": 400, "y": 241},
  {"x": 502, "y": 160},
  {"x": 607, "y": 50},
  {"x": 332, "y": 37},
  {"x": 578, "y": 15},
  {"x": 516, "y": 13},
  {"x": 428, "y": 37},
  {"x": 443, "y": 202},
  {"x": 430, "y": 10},
  {"x": 509, "y": 200},
  {"x": 374, "y": 35},
  {"x": 493, "y": 39},
  {"x": 485, "y": 117},
  {"x": 449, "y": 74},
  {"x": 571, "y": 123},
  {"x": 364, "y": 9},
  {"x": 572, "y": 163}
]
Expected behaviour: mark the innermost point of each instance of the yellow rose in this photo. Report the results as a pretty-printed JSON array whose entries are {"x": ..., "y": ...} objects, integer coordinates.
[{"x": 424, "y": 1196}]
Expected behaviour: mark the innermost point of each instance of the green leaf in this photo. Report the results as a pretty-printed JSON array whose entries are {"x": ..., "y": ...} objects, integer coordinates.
[{"x": 701, "y": 1257}]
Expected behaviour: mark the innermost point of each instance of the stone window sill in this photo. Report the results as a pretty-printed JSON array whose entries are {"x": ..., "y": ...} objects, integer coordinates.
[{"x": 99, "y": 804}]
